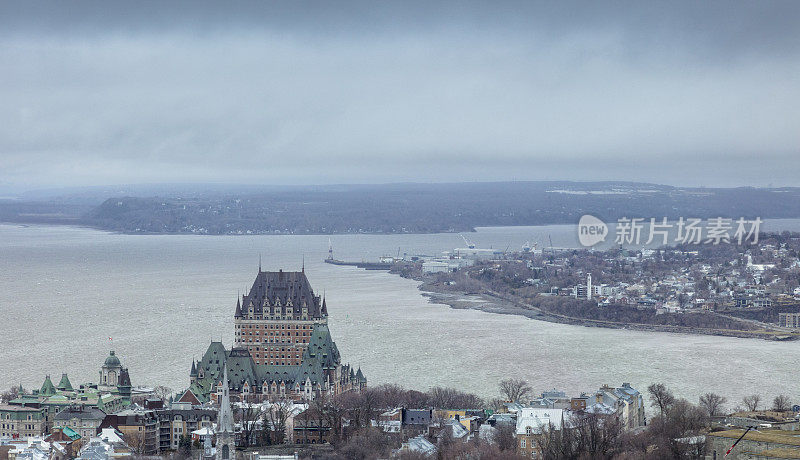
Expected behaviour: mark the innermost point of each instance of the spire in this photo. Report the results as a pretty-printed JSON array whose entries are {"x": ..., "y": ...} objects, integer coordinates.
[
  {"x": 324, "y": 307},
  {"x": 304, "y": 264},
  {"x": 193, "y": 373},
  {"x": 259, "y": 262},
  {"x": 225, "y": 417},
  {"x": 238, "y": 312}
]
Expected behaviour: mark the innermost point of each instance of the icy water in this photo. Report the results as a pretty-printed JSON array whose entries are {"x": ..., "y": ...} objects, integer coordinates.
[{"x": 65, "y": 291}]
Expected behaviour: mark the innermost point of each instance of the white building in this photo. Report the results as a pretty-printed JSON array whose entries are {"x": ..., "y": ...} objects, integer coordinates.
[{"x": 535, "y": 420}]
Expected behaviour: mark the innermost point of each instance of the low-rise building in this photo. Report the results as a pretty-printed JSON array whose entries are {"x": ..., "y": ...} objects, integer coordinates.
[
  {"x": 21, "y": 421},
  {"x": 626, "y": 401},
  {"x": 84, "y": 420},
  {"x": 532, "y": 422},
  {"x": 139, "y": 428},
  {"x": 181, "y": 420},
  {"x": 789, "y": 320}
]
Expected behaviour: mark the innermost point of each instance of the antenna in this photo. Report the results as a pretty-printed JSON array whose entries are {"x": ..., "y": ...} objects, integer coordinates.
[
  {"x": 304, "y": 264},
  {"x": 259, "y": 262}
]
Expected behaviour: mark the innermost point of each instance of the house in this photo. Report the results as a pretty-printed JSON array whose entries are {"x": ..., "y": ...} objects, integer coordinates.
[
  {"x": 139, "y": 428},
  {"x": 311, "y": 427},
  {"x": 420, "y": 445},
  {"x": 531, "y": 423},
  {"x": 66, "y": 437},
  {"x": 85, "y": 420},
  {"x": 627, "y": 403}
]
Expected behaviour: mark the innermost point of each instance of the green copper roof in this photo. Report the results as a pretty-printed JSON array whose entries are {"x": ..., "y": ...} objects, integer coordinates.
[
  {"x": 70, "y": 433},
  {"x": 47, "y": 387},
  {"x": 64, "y": 384},
  {"x": 112, "y": 360}
]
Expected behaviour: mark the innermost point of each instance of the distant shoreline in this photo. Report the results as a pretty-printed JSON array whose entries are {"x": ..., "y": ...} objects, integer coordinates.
[{"x": 492, "y": 303}]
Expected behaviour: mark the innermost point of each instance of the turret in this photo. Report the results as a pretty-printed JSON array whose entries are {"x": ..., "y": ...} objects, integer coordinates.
[
  {"x": 48, "y": 389},
  {"x": 124, "y": 385},
  {"x": 238, "y": 313},
  {"x": 64, "y": 384},
  {"x": 193, "y": 373}
]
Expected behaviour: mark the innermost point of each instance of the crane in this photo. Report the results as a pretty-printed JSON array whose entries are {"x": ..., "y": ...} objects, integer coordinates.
[{"x": 466, "y": 241}]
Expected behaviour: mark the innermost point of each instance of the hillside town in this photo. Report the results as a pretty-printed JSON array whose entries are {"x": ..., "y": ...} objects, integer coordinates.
[
  {"x": 112, "y": 419},
  {"x": 282, "y": 391}
]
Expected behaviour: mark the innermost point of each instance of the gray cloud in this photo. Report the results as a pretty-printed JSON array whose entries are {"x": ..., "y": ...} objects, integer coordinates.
[{"x": 680, "y": 93}]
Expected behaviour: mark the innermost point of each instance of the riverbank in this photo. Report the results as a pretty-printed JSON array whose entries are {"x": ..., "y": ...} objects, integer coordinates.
[{"x": 492, "y": 302}]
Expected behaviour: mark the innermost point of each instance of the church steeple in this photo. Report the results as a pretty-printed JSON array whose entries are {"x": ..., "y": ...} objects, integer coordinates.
[
  {"x": 225, "y": 416},
  {"x": 226, "y": 443}
]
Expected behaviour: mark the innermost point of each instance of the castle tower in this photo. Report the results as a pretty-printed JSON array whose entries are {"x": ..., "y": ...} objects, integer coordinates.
[
  {"x": 274, "y": 321},
  {"x": 226, "y": 444}
]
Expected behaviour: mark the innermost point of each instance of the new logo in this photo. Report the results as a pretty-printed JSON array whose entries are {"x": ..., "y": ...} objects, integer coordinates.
[{"x": 591, "y": 230}]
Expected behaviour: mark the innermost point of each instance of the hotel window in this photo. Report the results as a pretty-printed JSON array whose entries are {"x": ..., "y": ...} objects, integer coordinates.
[{"x": 522, "y": 444}]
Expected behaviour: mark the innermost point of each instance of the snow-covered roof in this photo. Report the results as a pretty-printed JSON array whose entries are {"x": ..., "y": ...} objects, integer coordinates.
[
  {"x": 205, "y": 431},
  {"x": 421, "y": 445},
  {"x": 538, "y": 419}
]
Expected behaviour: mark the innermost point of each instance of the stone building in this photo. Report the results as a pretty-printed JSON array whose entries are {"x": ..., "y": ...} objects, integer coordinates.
[
  {"x": 283, "y": 347},
  {"x": 21, "y": 421},
  {"x": 84, "y": 420},
  {"x": 52, "y": 399}
]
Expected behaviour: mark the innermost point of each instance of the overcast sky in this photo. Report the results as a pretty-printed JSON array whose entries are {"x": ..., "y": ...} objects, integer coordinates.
[{"x": 682, "y": 93}]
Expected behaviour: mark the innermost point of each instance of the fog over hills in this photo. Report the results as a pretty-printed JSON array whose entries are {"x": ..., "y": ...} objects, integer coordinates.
[{"x": 387, "y": 208}]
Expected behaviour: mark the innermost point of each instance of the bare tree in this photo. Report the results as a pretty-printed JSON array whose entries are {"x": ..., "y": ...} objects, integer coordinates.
[
  {"x": 713, "y": 403},
  {"x": 680, "y": 422},
  {"x": 135, "y": 440},
  {"x": 781, "y": 403},
  {"x": 496, "y": 404},
  {"x": 248, "y": 414},
  {"x": 504, "y": 437},
  {"x": 450, "y": 398},
  {"x": 660, "y": 397},
  {"x": 751, "y": 402},
  {"x": 12, "y": 393},
  {"x": 274, "y": 421},
  {"x": 367, "y": 443},
  {"x": 515, "y": 389},
  {"x": 589, "y": 436},
  {"x": 162, "y": 392}
]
